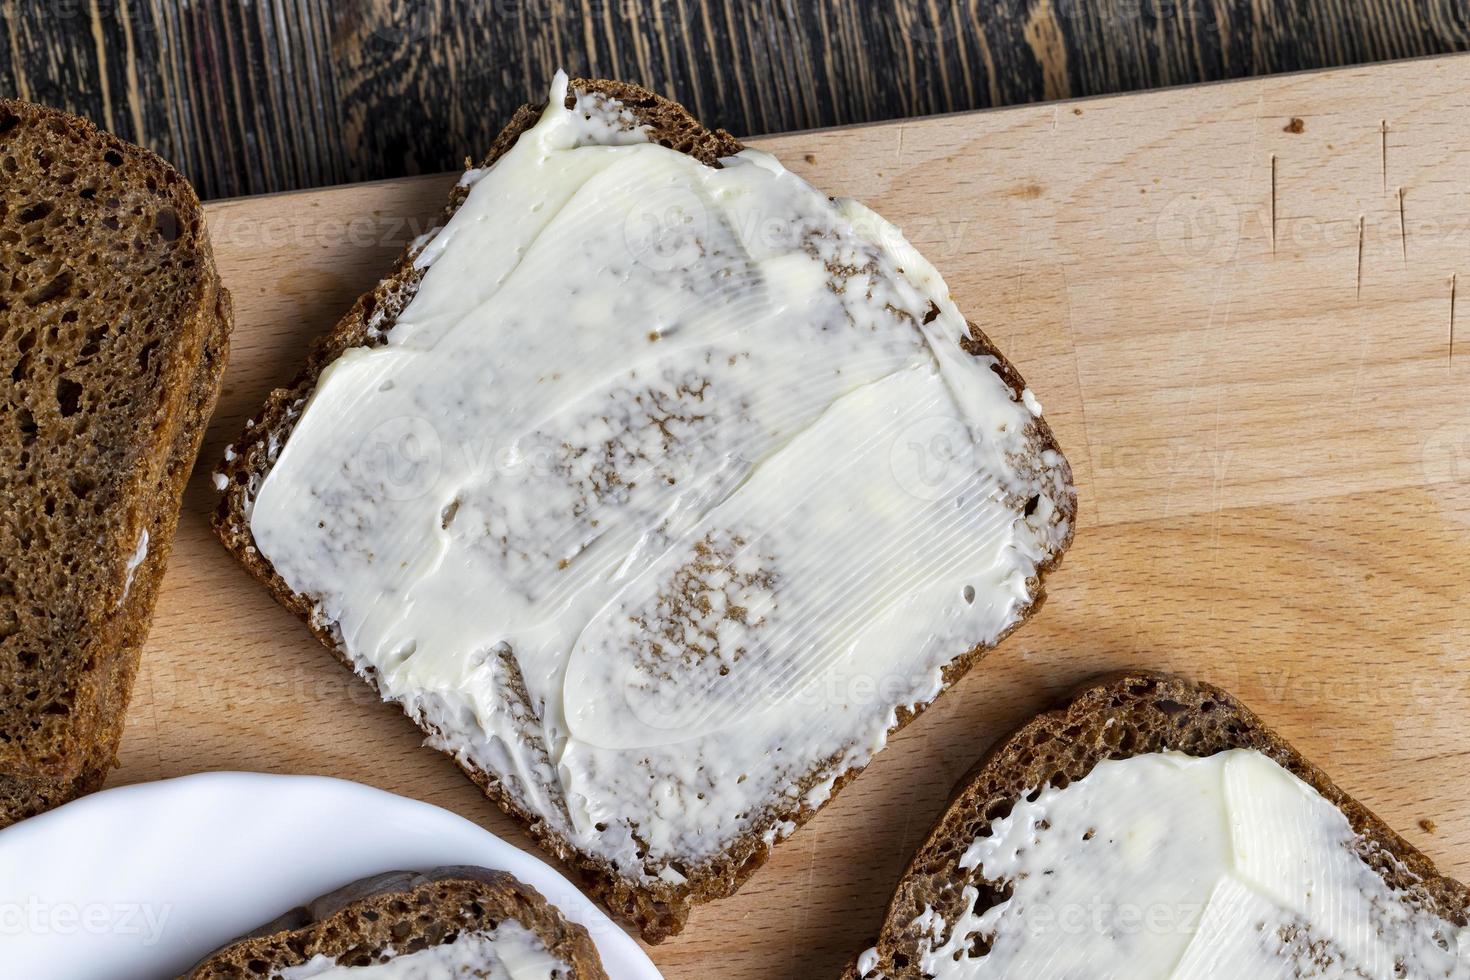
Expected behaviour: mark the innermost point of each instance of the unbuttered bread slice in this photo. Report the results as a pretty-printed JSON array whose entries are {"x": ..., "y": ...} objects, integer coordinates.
[
  {"x": 1123, "y": 717},
  {"x": 661, "y": 906},
  {"x": 393, "y": 916},
  {"x": 113, "y": 331}
]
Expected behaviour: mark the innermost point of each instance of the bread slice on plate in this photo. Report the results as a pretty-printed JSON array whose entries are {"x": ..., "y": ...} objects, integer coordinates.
[
  {"x": 449, "y": 922},
  {"x": 1154, "y": 827},
  {"x": 658, "y": 488},
  {"x": 113, "y": 334}
]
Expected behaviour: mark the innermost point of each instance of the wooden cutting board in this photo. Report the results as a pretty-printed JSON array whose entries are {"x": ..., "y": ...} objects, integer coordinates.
[{"x": 1235, "y": 302}]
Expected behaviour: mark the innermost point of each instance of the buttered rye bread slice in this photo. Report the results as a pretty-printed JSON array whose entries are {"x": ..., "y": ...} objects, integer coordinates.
[
  {"x": 457, "y": 922},
  {"x": 1155, "y": 828},
  {"x": 658, "y": 487}
]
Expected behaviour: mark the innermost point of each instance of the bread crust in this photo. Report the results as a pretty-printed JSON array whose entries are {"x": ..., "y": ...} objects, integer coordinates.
[
  {"x": 404, "y": 911},
  {"x": 1117, "y": 717},
  {"x": 45, "y": 762},
  {"x": 661, "y": 909}
]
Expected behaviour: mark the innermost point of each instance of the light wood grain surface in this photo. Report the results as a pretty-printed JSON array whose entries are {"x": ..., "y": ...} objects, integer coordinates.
[{"x": 1235, "y": 303}]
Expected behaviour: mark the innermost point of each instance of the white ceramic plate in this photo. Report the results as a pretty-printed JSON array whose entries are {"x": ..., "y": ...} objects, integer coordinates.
[{"x": 138, "y": 883}]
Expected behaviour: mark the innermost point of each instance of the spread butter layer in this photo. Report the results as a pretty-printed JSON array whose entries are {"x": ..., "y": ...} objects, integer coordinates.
[
  {"x": 510, "y": 951},
  {"x": 1169, "y": 866},
  {"x": 669, "y": 488}
]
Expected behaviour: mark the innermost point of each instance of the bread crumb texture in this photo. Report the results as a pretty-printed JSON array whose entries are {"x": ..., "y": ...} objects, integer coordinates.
[{"x": 113, "y": 333}]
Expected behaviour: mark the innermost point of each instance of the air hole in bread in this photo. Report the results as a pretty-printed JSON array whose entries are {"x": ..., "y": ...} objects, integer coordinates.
[
  {"x": 68, "y": 397},
  {"x": 57, "y": 288},
  {"x": 93, "y": 346},
  {"x": 81, "y": 484},
  {"x": 167, "y": 224},
  {"x": 999, "y": 810},
  {"x": 35, "y": 212},
  {"x": 26, "y": 422},
  {"x": 145, "y": 354}
]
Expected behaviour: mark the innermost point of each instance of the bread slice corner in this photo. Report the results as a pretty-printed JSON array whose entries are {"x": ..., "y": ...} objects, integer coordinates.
[{"x": 1119, "y": 716}]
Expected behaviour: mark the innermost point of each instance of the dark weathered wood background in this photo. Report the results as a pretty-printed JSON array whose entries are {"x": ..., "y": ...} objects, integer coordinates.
[{"x": 247, "y": 96}]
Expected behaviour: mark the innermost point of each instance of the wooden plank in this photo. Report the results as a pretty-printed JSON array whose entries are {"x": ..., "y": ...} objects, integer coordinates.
[
  {"x": 1271, "y": 440},
  {"x": 269, "y": 95}
]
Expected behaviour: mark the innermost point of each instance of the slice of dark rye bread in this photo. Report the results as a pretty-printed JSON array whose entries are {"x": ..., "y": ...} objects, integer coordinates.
[
  {"x": 662, "y": 908},
  {"x": 397, "y": 913},
  {"x": 114, "y": 331},
  {"x": 1119, "y": 717},
  {"x": 21, "y": 797}
]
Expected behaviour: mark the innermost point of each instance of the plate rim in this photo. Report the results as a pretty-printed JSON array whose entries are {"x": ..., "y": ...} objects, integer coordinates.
[{"x": 610, "y": 938}]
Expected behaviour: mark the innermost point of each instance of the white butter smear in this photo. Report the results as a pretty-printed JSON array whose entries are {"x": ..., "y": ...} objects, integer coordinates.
[
  {"x": 670, "y": 486},
  {"x": 130, "y": 568},
  {"x": 1168, "y": 866},
  {"x": 510, "y": 951}
]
